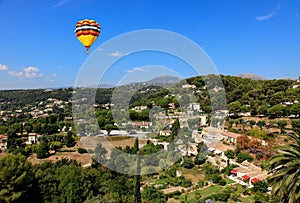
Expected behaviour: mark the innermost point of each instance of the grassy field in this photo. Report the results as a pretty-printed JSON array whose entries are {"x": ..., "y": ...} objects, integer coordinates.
[
  {"x": 193, "y": 174},
  {"x": 207, "y": 191}
]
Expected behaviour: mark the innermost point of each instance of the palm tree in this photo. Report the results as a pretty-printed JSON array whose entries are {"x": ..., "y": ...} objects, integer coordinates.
[{"x": 285, "y": 166}]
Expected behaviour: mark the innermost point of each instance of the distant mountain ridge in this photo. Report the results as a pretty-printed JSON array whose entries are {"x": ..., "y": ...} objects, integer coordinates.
[
  {"x": 251, "y": 76},
  {"x": 164, "y": 79}
]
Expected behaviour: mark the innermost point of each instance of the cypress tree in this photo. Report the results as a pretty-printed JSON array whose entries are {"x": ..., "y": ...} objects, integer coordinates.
[
  {"x": 136, "y": 146},
  {"x": 137, "y": 186}
]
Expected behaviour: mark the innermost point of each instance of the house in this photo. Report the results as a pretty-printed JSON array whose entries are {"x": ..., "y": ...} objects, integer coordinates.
[
  {"x": 164, "y": 132},
  {"x": 32, "y": 138},
  {"x": 3, "y": 142},
  {"x": 249, "y": 173},
  {"x": 188, "y": 86},
  {"x": 194, "y": 107},
  {"x": 229, "y": 136},
  {"x": 221, "y": 113},
  {"x": 142, "y": 124},
  {"x": 140, "y": 108}
]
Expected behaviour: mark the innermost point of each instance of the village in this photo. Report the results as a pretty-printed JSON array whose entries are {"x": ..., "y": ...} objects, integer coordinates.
[{"x": 226, "y": 149}]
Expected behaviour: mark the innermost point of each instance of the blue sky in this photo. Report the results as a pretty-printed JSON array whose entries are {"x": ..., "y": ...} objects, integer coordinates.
[{"x": 39, "y": 48}]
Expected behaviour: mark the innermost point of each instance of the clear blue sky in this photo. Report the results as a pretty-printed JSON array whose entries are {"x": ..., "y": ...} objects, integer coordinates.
[{"x": 39, "y": 48}]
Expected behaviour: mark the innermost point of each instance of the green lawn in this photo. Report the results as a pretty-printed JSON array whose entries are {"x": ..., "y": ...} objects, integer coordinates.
[
  {"x": 206, "y": 192},
  {"x": 210, "y": 190},
  {"x": 203, "y": 192},
  {"x": 229, "y": 181},
  {"x": 248, "y": 199}
]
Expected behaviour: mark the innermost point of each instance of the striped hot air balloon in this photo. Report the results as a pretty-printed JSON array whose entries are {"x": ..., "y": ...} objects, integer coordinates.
[{"x": 87, "y": 32}]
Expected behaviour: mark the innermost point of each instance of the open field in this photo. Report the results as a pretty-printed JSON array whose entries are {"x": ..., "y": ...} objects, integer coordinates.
[
  {"x": 85, "y": 142},
  {"x": 83, "y": 159},
  {"x": 193, "y": 174},
  {"x": 125, "y": 142}
]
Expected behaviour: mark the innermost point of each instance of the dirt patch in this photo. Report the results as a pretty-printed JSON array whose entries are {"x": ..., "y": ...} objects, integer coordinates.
[
  {"x": 82, "y": 159},
  {"x": 127, "y": 142},
  {"x": 172, "y": 200},
  {"x": 193, "y": 174}
]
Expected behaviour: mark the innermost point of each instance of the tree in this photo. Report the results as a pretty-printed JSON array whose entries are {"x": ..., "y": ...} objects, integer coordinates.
[
  {"x": 281, "y": 125},
  {"x": 243, "y": 142},
  {"x": 174, "y": 132},
  {"x": 69, "y": 140},
  {"x": 200, "y": 159},
  {"x": 263, "y": 109},
  {"x": 236, "y": 122},
  {"x": 151, "y": 194},
  {"x": 234, "y": 107},
  {"x": 28, "y": 128},
  {"x": 137, "y": 186},
  {"x": 252, "y": 123},
  {"x": 296, "y": 126},
  {"x": 188, "y": 163},
  {"x": 260, "y": 186},
  {"x": 286, "y": 171},
  {"x": 108, "y": 128},
  {"x": 261, "y": 123},
  {"x": 42, "y": 150},
  {"x": 175, "y": 127},
  {"x": 295, "y": 109},
  {"x": 277, "y": 110},
  {"x": 11, "y": 139},
  {"x": 229, "y": 154},
  {"x": 244, "y": 156},
  {"x": 136, "y": 146},
  {"x": 260, "y": 197},
  {"x": 230, "y": 122},
  {"x": 16, "y": 179}
]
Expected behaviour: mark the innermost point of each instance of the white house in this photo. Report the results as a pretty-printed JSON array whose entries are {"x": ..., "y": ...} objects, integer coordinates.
[
  {"x": 229, "y": 136},
  {"x": 32, "y": 138}
]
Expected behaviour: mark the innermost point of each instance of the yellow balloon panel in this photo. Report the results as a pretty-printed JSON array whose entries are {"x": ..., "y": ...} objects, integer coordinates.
[{"x": 87, "y": 40}]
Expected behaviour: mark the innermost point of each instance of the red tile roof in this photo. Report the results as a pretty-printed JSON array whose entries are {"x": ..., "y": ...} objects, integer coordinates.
[
  {"x": 245, "y": 177},
  {"x": 234, "y": 171},
  {"x": 254, "y": 180}
]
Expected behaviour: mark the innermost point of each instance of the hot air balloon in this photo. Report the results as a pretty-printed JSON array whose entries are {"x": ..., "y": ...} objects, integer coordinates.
[{"x": 87, "y": 32}]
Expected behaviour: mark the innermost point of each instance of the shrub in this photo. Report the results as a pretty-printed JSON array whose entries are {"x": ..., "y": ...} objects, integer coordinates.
[
  {"x": 260, "y": 186},
  {"x": 201, "y": 183},
  {"x": 212, "y": 154},
  {"x": 259, "y": 156},
  {"x": 216, "y": 178},
  {"x": 244, "y": 156},
  {"x": 172, "y": 194},
  {"x": 222, "y": 182},
  {"x": 229, "y": 154},
  {"x": 200, "y": 159},
  {"x": 81, "y": 150},
  {"x": 188, "y": 163},
  {"x": 183, "y": 182}
]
